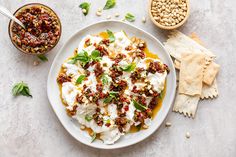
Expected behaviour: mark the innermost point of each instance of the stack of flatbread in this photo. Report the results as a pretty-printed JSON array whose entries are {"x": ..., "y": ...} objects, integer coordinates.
[{"x": 196, "y": 70}]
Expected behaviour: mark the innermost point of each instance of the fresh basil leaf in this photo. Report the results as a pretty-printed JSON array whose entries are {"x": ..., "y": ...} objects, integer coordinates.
[
  {"x": 138, "y": 127},
  {"x": 161, "y": 95},
  {"x": 80, "y": 79},
  {"x": 129, "y": 68},
  {"x": 42, "y": 57},
  {"x": 93, "y": 137},
  {"x": 104, "y": 79},
  {"x": 95, "y": 55},
  {"x": 86, "y": 6},
  {"x": 139, "y": 106},
  {"x": 88, "y": 117},
  {"x": 82, "y": 57},
  {"x": 129, "y": 17},
  {"x": 21, "y": 89},
  {"x": 109, "y": 4},
  {"x": 107, "y": 121},
  {"x": 108, "y": 100},
  {"x": 113, "y": 94},
  {"x": 111, "y": 36}
]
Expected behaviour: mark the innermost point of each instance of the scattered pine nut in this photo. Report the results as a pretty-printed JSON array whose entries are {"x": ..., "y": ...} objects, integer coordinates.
[
  {"x": 168, "y": 124},
  {"x": 144, "y": 19},
  {"x": 187, "y": 135},
  {"x": 82, "y": 127},
  {"x": 117, "y": 15},
  {"x": 145, "y": 126},
  {"x": 100, "y": 9},
  {"x": 36, "y": 63},
  {"x": 108, "y": 17},
  {"x": 98, "y": 13},
  {"x": 84, "y": 11}
]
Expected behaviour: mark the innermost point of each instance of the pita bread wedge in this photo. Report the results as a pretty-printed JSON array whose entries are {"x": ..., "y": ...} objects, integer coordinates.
[
  {"x": 186, "y": 104},
  {"x": 209, "y": 91},
  {"x": 191, "y": 73},
  {"x": 210, "y": 73},
  {"x": 179, "y": 43}
]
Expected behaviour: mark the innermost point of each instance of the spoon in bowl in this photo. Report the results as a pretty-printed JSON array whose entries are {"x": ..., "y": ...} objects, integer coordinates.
[{"x": 8, "y": 14}]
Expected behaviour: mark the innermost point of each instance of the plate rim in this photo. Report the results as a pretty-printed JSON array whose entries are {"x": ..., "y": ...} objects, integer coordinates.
[{"x": 148, "y": 133}]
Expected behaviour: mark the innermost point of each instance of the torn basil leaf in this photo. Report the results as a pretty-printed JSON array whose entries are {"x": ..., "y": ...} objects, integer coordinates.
[
  {"x": 94, "y": 137},
  {"x": 82, "y": 57},
  {"x": 95, "y": 55},
  {"x": 86, "y": 6},
  {"x": 42, "y": 57},
  {"x": 21, "y": 89},
  {"x": 130, "y": 17},
  {"x": 109, "y": 4},
  {"x": 88, "y": 117},
  {"x": 111, "y": 36},
  {"x": 139, "y": 106},
  {"x": 80, "y": 79},
  {"x": 104, "y": 79},
  {"x": 129, "y": 68}
]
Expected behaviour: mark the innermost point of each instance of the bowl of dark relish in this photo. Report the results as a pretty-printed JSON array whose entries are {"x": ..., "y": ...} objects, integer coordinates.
[{"x": 42, "y": 29}]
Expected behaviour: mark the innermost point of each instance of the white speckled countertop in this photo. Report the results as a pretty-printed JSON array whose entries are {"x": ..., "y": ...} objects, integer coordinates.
[{"x": 29, "y": 127}]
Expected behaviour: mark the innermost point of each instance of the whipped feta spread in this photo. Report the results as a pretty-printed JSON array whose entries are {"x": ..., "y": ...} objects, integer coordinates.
[{"x": 110, "y": 85}]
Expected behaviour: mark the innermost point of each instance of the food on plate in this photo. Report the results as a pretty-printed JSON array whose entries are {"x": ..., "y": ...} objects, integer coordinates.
[
  {"x": 43, "y": 29},
  {"x": 112, "y": 85},
  {"x": 198, "y": 71}
]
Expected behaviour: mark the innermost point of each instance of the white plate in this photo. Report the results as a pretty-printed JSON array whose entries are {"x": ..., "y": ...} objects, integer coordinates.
[{"x": 67, "y": 50}]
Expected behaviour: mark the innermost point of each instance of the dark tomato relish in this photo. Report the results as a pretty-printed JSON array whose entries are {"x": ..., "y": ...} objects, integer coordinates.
[{"x": 43, "y": 29}]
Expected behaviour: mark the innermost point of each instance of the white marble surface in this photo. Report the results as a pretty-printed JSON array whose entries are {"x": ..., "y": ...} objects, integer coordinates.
[{"x": 29, "y": 127}]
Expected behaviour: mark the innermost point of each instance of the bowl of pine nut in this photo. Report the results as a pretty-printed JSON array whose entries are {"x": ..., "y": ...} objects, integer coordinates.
[{"x": 169, "y": 14}]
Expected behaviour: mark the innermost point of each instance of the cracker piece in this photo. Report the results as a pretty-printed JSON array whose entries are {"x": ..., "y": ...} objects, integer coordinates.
[
  {"x": 179, "y": 43},
  {"x": 209, "y": 91},
  {"x": 191, "y": 73},
  {"x": 186, "y": 104},
  {"x": 210, "y": 73}
]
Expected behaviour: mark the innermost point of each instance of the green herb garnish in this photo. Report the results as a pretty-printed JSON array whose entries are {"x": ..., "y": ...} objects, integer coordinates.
[
  {"x": 104, "y": 79},
  {"x": 86, "y": 6},
  {"x": 95, "y": 55},
  {"x": 80, "y": 79},
  {"x": 93, "y": 137},
  {"x": 138, "y": 127},
  {"x": 129, "y": 68},
  {"x": 21, "y": 89},
  {"x": 111, "y": 36},
  {"x": 111, "y": 96},
  {"x": 82, "y": 57},
  {"x": 42, "y": 57},
  {"x": 129, "y": 17},
  {"x": 108, "y": 100},
  {"x": 109, "y": 4},
  {"x": 139, "y": 106},
  {"x": 88, "y": 117},
  {"x": 161, "y": 95}
]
